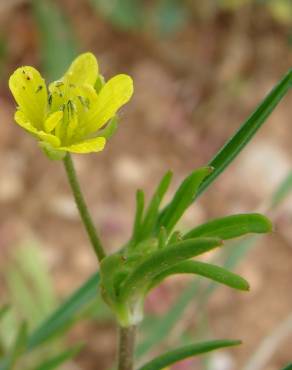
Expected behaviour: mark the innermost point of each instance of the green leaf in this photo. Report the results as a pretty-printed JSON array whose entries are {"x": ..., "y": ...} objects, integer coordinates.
[
  {"x": 153, "y": 209},
  {"x": 216, "y": 273},
  {"x": 163, "y": 259},
  {"x": 138, "y": 216},
  {"x": 171, "y": 16},
  {"x": 235, "y": 252},
  {"x": 282, "y": 191},
  {"x": 182, "y": 353},
  {"x": 17, "y": 349},
  {"x": 182, "y": 198},
  {"x": 110, "y": 265},
  {"x": 4, "y": 310},
  {"x": 124, "y": 14},
  {"x": 288, "y": 367},
  {"x": 162, "y": 238},
  {"x": 66, "y": 314},
  {"x": 58, "y": 45},
  {"x": 232, "y": 226},
  {"x": 165, "y": 324},
  {"x": 58, "y": 360},
  {"x": 242, "y": 137},
  {"x": 162, "y": 328}
]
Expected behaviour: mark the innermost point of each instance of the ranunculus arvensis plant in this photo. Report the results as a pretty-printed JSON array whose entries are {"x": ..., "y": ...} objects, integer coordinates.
[{"x": 77, "y": 114}]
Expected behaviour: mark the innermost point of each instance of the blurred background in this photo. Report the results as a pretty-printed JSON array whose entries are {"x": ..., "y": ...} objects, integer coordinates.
[{"x": 199, "y": 68}]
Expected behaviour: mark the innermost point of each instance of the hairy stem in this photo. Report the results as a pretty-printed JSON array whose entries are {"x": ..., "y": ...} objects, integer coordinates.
[
  {"x": 126, "y": 348},
  {"x": 83, "y": 210}
]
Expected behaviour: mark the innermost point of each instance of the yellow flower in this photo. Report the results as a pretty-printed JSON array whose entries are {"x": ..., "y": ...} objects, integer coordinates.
[{"x": 68, "y": 115}]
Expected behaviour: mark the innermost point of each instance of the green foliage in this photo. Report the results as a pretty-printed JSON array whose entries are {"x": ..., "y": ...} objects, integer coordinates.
[
  {"x": 283, "y": 190},
  {"x": 232, "y": 227},
  {"x": 18, "y": 347},
  {"x": 56, "y": 361},
  {"x": 58, "y": 46},
  {"x": 182, "y": 199},
  {"x": 182, "y": 353},
  {"x": 247, "y": 131},
  {"x": 231, "y": 255},
  {"x": 154, "y": 251},
  {"x": 212, "y": 272},
  {"x": 168, "y": 17},
  {"x": 288, "y": 367},
  {"x": 126, "y": 14},
  {"x": 141, "y": 276},
  {"x": 66, "y": 314},
  {"x": 147, "y": 227}
]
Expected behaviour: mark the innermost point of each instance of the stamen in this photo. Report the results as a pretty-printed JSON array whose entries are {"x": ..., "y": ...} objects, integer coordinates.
[
  {"x": 59, "y": 83},
  {"x": 84, "y": 101},
  {"x": 40, "y": 87}
]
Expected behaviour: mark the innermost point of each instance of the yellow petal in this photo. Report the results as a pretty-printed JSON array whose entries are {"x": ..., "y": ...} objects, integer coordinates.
[
  {"x": 52, "y": 121},
  {"x": 49, "y": 138},
  {"x": 114, "y": 94},
  {"x": 88, "y": 146},
  {"x": 30, "y": 92},
  {"x": 83, "y": 70},
  {"x": 21, "y": 119},
  {"x": 23, "y": 122}
]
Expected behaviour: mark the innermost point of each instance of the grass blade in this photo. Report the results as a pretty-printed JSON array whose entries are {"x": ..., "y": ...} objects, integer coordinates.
[
  {"x": 213, "y": 272},
  {"x": 65, "y": 315},
  {"x": 58, "y": 46},
  {"x": 17, "y": 349},
  {"x": 232, "y": 226},
  {"x": 58, "y": 360},
  {"x": 182, "y": 353},
  {"x": 165, "y": 324},
  {"x": 283, "y": 190},
  {"x": 4, "y": 310},
  {"x": 288, "y": 367},
  {"x": 246, "y": 132}
]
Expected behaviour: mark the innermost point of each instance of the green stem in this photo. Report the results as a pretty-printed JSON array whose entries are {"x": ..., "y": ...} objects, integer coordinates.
[
  {"x": 126, "y": 348},
  {"x": 83, "y": 210}
]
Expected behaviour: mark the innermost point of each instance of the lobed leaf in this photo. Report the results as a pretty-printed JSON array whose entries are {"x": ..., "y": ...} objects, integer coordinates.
[
  {"x": 216, "y": 273},
  {"x": 182, "y": 353},
  {"x": 165, "y": 324},
  {"x": 232, "y": 226},
  {"x": 182, "y": 198},
  {"x": 162, "y": 260}
]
